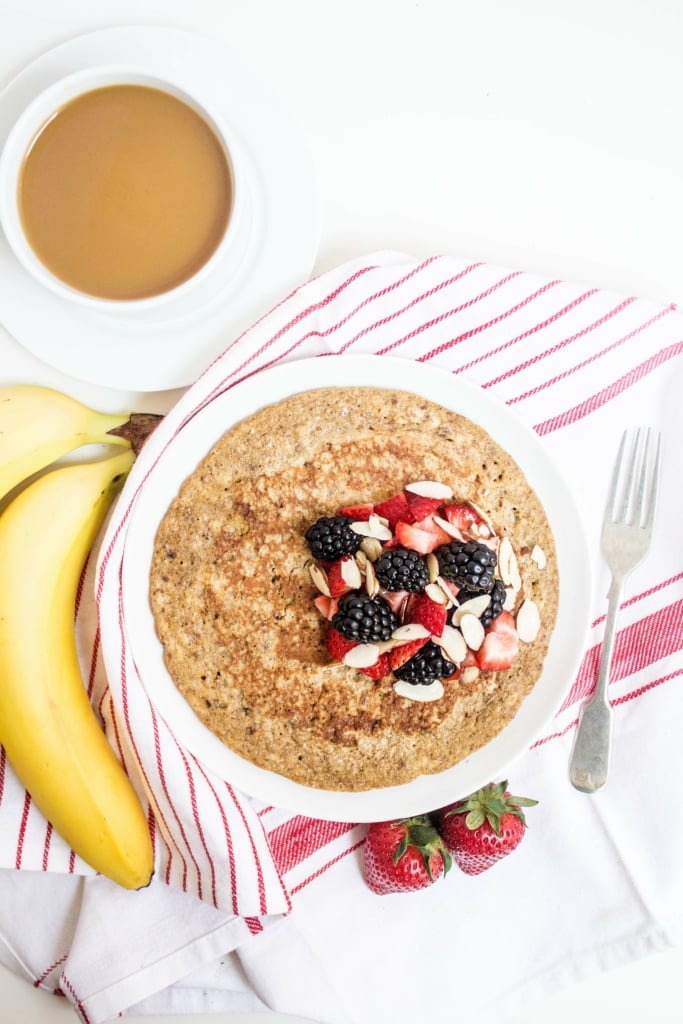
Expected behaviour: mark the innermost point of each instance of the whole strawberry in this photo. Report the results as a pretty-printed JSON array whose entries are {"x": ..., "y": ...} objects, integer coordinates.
[
  {"x": 404, "y": 855},
  {"x": 485, "y": 827}
]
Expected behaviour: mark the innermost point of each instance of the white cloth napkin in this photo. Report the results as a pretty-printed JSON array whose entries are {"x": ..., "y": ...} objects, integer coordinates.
[{"x": 255, "y": 908}]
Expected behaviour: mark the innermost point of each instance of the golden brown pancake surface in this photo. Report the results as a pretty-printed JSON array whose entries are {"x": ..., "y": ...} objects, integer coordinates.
[{"x": 233, "y": 599}]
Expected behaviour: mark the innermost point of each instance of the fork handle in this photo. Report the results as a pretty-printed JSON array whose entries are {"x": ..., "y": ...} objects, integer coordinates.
[{"x": 589, "y": 762}]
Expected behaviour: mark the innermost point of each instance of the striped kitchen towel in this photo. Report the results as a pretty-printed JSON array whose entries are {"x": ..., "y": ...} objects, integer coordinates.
[{"x": 574, "y": 363}]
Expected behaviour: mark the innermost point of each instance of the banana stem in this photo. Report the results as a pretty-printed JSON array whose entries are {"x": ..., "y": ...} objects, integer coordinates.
[{"x": 137, "y": 429}]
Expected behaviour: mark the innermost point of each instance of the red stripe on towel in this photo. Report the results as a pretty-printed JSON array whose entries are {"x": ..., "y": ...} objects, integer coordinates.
[{"x": 601, "y": 398}]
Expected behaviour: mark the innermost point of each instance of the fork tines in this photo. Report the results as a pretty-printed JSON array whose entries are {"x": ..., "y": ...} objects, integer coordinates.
[{"x": 635, "y": 479}]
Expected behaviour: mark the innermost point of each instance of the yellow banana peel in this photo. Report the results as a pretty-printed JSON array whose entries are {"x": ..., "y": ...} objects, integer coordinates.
[{"x": 47, "y": 725}]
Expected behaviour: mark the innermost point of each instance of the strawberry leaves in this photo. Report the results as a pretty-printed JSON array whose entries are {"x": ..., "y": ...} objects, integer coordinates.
[
  {"x": 404, "y": 855},
  {"x": 474, "y": 833}
]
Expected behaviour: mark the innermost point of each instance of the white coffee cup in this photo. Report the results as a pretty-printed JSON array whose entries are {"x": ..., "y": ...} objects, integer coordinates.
[{"x": 30, "y": 123}]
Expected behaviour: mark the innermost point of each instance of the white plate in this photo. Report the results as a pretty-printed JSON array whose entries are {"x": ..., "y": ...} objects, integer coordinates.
[
  {"x": 171, "y": 347},
  {"x": 567, "y": 644}
]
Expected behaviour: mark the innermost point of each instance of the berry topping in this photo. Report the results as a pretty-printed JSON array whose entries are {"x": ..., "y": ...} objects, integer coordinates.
[
  {"x": 400, "y": 655},
  {"x": 379, "y": 669},
  {"x": 462, "y": 516},
  {"x": 421, "y": 506},
  {"x": 359, "y": 513},
  {"x": 364, "y": 618},
  {"x": 498, "y": 597},
  {"x": 338, "y": 645},
  {"x": 331, "y": 537},
  {"x": 500, "y": 645},
  {"x": 427, "y": 613},
  {"x": 395, "y": 510},
  {"x": 428, "y": 664},
  {"x": 343, "y": 576},
  {"x": 470, "y": 566},
  {"x": 424, "y": 536},
  {"x": 416, "y": 586},
  {"x": 401, "y": 568}
]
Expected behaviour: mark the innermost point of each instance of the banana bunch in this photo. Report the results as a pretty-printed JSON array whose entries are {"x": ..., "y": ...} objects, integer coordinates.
[{"x": 47, "y": 725}]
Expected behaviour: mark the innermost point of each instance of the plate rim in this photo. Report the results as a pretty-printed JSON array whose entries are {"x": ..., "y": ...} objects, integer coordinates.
[{"x": 276, "y": 383}]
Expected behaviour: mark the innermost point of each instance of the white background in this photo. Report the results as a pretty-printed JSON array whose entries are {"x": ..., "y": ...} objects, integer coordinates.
[{"x": 532, "y": 134}]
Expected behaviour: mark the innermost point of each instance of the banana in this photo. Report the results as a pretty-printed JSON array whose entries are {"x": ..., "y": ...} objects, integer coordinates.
[
  {"x": 47, "y": 725},
  {"x": 38, "y": 425}
]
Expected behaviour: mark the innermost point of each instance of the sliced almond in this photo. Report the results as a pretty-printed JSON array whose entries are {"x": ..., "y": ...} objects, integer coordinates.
[
  {"x": 371, "y": 581},
  {"x": 432, "y": 566},
  {"x": 441, "y": 582},
  {"x": 372, "y": 528},
  {"x": 452, "y": 642},
  {"x": 510, "y": 599},
  {"x": 422, "y": 692},
  {"x": 371, "y": 548},
  {"x": 319, "y": 579},
  {"x": 387, "y": 645},
  {"x": 411, "y": 631},
  {"x": 528, "y": 621},
  {"x": 350, "y": 573},
  {"x": 361, "y": 559},
  {"x": 507, "y": 565},
  {"x": 430, "y": 489},
  {"x": 538, "y": 556},
  {"x": 473, "y": 631},
  {"x": 435, "y": 593},
  {"x": 484, "y": 516},
  {"x": 362, "y": 656},
  {"x": 469, "y": 674},
  {"x": 476, "y": 606},
  {"x": 449, "y": 528}
]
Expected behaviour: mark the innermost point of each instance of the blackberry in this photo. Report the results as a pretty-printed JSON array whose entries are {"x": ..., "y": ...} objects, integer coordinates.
[
  {"x": 364, "y": 618},
  {"x": 402, "y": 569},
  {"x": 470, "y": 565},
  {"x": 331, "y": 537},
  {"x": 428, "y": 664},
  {"x": 495, "y": 605}
]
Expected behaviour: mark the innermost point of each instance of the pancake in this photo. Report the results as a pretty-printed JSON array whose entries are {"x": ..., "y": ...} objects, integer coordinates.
[{"x": 235, "y": 605}]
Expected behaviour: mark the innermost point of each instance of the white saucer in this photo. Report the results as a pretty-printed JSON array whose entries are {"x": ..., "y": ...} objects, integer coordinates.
[{"x": 170, "y": 348}]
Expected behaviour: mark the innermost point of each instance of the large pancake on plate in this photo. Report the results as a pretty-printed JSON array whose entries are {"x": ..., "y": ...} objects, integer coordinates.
[{"x": 233, "y": 599}]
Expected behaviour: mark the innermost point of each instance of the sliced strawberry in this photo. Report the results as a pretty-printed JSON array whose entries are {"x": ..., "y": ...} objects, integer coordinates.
[
  {"x": 429, "y": 526},
  {"x": 395, "y": 510},
  {"x": 469, "y": 659},
  {"x": 357, "y": 512},
  {"x": 395, "y": 599},
  {"x": 463, "y": 517},
  {"x": 428, "y": 614},
  {"x": 337, "y": 644},
  {"x": 327, "y": 606},
  {"x": 422, "y": 537},
  {"x": 421, "y": 507},
  {"x": 380, "y": 669},
  {"x": 500, "y": 645},
  {"x": 400, "y": 655},
  {"x": 343, "y": 576}
]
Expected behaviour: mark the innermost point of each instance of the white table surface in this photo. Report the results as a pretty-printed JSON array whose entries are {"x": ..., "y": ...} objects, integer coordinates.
[{"x": 538, "y": 136}]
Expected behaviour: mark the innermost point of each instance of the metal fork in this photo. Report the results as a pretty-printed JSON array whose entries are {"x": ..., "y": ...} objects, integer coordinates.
[{"x": 626, "y": 534}]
